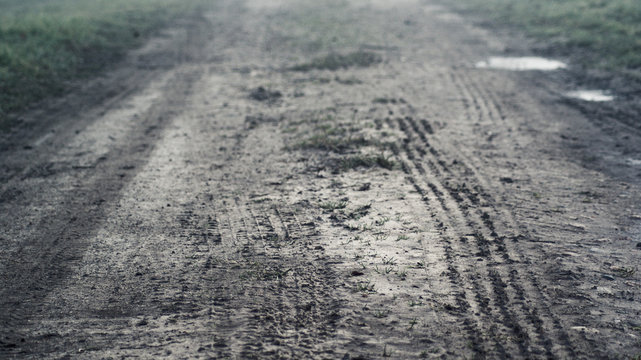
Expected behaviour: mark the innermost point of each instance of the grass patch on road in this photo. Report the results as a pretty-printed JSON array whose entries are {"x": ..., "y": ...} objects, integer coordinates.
[
  {"x": 597, "y": 33},
  {"x": 45, "y": 44},
  {"x": 335, "y": 62}
]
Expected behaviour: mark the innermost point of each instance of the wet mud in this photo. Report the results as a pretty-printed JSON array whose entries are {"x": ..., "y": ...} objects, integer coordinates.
[{"x": 275, "y": 190}]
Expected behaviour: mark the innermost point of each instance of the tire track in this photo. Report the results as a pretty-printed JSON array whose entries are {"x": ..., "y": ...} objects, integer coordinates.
[
  {"x": 465, "y": 199},
  {"x": 484, "y": 239},
  {"x": 475, "y": 299},
  {"x": 50, "y": 257},
  {"x": 491, "y": 246},
  {"x": 492, "y": 106}
]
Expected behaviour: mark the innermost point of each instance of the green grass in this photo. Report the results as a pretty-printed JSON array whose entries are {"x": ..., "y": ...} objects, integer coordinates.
[
  {"x": 46, "y": 44},
  {"x": 333, "y": 205},
  {"x": 596, "y": 33}
]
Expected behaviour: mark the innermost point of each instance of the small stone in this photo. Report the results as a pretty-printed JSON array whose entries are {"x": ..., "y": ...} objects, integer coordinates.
[{"x": 608, "y": 277}]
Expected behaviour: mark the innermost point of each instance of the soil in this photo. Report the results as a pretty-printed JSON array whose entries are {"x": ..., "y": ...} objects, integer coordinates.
[{"x": 212, "y": 198}]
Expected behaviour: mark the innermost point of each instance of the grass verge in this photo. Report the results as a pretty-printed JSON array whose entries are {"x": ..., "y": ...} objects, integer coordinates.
[
  {"x": 46, "y": 44},
  {"x": 603, "y": 34}
]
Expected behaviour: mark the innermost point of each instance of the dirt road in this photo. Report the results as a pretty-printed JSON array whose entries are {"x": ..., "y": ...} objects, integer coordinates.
[{"x": 229, "y": 191}]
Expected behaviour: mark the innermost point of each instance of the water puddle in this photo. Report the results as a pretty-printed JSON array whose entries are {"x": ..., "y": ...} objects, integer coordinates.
[
  {"x": 590, "y": 95},
  {"x": 633, "y": 162},
  {"x": 520, "y": 64}
]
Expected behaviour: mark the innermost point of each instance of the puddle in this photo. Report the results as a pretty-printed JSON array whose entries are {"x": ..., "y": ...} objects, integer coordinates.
[
  {"x": 633, "y": 162},
  {"x": 520, "y": 64},
  {"x": 590, "y": 95}
]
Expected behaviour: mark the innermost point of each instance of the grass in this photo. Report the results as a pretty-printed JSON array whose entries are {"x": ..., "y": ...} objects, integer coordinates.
[
  {"x": 366, "y": 161},
  {"x": 402, "y": 237},
  {"x": 365, "y": 287},
  {"x": 335, "y": 61},
  {"x": 45, "y": 44},
  {"x": 333, "y": 205},
  {"x": 599, "y": 33}
]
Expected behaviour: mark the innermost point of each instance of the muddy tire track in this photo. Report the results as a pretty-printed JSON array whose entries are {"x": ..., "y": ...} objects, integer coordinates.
[{"x": 457, "y": 201}]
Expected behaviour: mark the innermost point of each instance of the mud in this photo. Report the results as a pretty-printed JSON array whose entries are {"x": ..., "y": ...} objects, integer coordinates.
[{"x": 415, "y": 207}]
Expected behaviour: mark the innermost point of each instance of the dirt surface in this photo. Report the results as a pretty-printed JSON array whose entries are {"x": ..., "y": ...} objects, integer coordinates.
[{"x": 288, "y": 180}]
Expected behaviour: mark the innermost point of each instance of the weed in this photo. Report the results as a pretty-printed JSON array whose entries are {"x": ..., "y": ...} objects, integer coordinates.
[
  {"x": 389, "y": 261},
  {"x": 365, "y": 287},
  {"x": 360, "y": 211},
  {"x": 333, "y": 205},
  {"x": 379, "y": 314},
  {"x": 402, "y": 237},
  {"x": 413, "y": 322},
  {"x": 386, "y": 270},
  {"x": 402, "y": 274},
  {"x": 380, "y": 237},
  {"x": 353, "y": 227},
  {"x": 382, "y": 221}
]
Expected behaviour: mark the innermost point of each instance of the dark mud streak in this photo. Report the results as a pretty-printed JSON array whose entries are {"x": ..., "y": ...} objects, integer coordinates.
[{"x": 48, "y": 258}]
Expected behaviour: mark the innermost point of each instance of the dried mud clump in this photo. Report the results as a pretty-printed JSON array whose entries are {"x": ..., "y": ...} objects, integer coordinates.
[
  {"x": 335, "y": 62},
  {"x": 262, "y": 94}
]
